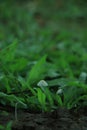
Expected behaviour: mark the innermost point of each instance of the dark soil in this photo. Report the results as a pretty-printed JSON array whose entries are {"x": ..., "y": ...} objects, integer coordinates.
[{"x": 60, "y": 119}]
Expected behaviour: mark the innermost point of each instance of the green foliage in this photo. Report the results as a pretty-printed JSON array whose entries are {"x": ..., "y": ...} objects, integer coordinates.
[
  {"x": 34, "y": 48},
  {"x": 8, "y": 53},
  {"x": 11, "y": 98},
  {"x": 37, "y": 72},
  {"x": 41, "y": 98}
]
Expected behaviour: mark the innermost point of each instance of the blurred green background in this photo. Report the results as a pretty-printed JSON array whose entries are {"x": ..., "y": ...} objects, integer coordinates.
[{"x": 38, "y": 24}]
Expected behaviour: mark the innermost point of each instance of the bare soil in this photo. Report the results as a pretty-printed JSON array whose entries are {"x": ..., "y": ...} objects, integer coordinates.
[{"x": 60, "y": 119}]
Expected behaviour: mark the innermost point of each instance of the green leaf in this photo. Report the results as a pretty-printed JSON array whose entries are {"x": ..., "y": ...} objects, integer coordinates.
[
  {"x": 49, "y": 96},
  {"x": 6, "y": 84},
  {"x": 37, "y": 72},
  {"x": 41, "y": 98},
  {"x": 25, "y": 86},
  {"x": 8, "y": 53},
  {"x": 18, "y": 65},
  {"x": 59, "y": 100},
  {"x": 12, "y": 98}
]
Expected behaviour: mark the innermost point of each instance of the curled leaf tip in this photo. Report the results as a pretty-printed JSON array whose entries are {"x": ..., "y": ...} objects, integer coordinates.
[
  {"x": 42, "y": 83},
  {"x": 59, "y": 91}
]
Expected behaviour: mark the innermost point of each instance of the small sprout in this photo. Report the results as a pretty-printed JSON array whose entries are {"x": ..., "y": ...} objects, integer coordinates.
[
  {"x": 42, "y": 84},
  {"x": 59, "y": 91}
]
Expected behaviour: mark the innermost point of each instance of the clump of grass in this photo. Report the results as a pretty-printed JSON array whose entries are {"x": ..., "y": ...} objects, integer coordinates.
[{"x": 56, "y": 56}]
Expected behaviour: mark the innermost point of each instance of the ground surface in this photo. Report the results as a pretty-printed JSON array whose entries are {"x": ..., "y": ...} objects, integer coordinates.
[{"x": 60, "y": 119}]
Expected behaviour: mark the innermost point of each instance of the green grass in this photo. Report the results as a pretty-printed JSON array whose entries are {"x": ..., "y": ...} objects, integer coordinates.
[
  {"x": 19, "y": 79},
  {"x": 56, "y": 53}
]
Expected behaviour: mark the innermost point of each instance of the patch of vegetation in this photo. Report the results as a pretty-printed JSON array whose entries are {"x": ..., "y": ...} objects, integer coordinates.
[{"x": 38, "y": 47}]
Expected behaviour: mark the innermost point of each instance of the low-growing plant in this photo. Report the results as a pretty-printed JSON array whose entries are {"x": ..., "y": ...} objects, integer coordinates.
[{"x": 56, "y": 56}]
